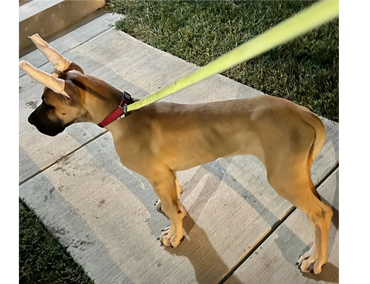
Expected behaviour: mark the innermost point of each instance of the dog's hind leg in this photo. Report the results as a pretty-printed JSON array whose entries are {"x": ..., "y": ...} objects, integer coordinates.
[
  {"x": 320, "y": 217},
  {"x": 292, "y": 181},
  {"x": 165, "y": 187}
]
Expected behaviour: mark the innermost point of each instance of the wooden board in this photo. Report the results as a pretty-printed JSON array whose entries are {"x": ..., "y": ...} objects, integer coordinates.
[{"x": 274, "y": 261}]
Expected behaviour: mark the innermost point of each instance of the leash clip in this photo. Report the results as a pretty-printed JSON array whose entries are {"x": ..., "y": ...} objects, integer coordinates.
[
  {"x": 126, "y": 98},
  {"x": 124, "y": 109}
]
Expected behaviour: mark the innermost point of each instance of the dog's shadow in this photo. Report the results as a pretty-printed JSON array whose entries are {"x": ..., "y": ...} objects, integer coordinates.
[{"x": 196, "y": 241}]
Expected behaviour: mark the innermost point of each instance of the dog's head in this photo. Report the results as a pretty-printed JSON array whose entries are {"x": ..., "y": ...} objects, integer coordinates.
[
  {"x": 59, "y": 109},
  {"x": 61, "y": 99}
]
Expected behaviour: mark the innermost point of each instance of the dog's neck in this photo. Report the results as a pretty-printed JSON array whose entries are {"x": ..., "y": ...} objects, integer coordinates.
[
  {"x": 93, "y": 94},
  {"x": 110, "y": 97},
  {"x": 119, "y": 112}
]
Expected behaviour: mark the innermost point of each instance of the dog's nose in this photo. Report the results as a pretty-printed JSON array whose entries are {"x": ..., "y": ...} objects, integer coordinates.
[{"x": 31, "y": 120}]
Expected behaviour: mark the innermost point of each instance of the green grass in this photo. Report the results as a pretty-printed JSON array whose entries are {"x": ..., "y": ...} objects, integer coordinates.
[
  {"x": 305, "y": 70},
  {"x": 41, "y": 258}
]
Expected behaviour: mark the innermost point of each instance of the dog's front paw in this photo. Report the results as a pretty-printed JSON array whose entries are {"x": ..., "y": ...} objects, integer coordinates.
[
  {"x": 309, "y": 258},
  {"x": 169, "y": 238}
]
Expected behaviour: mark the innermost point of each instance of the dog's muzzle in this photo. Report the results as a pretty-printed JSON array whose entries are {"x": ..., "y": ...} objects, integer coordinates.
[{"x": 47, "y": 128}]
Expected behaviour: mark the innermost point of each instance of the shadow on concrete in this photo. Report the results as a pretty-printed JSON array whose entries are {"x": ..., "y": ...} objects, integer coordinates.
[{"x": 208, "y": 265}]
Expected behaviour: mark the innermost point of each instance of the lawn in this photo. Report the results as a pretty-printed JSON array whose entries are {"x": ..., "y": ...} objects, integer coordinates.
[{"x": 305, "y": 70}]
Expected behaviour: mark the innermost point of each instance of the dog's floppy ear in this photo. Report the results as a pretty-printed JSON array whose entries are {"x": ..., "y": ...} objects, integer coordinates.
[
  {"x": 61, "y": 63},
  {"x": 49, "y": 81}
]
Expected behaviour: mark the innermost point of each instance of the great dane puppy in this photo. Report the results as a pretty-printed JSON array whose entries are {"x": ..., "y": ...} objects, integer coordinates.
[{"x": 172, "y": 137}]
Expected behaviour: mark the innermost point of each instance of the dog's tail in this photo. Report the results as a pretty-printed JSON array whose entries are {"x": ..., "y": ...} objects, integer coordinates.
[{"x": 319, "y": 134}]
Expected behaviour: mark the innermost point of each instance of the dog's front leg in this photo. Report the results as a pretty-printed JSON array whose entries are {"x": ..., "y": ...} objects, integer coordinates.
[
  {"x": 166, "y": 188},
  {"x": 179, "y": 191}
]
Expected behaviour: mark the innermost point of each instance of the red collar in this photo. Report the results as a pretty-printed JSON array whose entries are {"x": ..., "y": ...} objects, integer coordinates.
[{"x": 120, "y": 110}]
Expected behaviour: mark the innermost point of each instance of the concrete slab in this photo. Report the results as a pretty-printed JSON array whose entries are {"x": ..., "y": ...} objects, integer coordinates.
[
  {"x": 292, "y": 239},
  {"x": 104, "y": 213}
]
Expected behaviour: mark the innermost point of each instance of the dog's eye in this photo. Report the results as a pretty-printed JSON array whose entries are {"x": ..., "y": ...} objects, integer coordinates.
[{"x": 43, "y": 100}]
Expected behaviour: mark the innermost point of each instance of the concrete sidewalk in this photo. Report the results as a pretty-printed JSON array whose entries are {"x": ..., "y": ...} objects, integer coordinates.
[{"x": 104, "y": 213}]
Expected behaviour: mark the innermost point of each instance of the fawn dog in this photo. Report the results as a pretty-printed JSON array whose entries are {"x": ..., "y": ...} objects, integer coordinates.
[{"x": 162, "y": 138}]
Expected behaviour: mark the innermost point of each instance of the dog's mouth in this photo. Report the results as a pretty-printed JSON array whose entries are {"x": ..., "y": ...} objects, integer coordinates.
[{"x": 49, "y": 131}]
